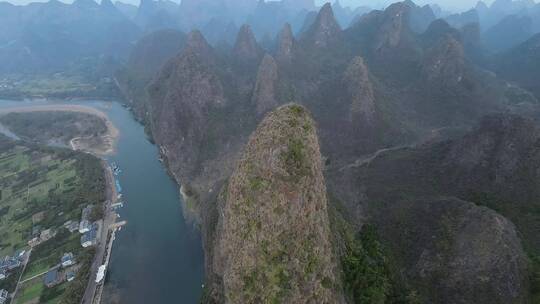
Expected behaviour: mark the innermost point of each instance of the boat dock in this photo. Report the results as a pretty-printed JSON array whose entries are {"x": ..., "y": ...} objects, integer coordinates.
[{"x": 94, "y": 290}]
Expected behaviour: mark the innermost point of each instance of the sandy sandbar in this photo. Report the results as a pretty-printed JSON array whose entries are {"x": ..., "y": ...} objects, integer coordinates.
[{"x": 79, "y": 143}]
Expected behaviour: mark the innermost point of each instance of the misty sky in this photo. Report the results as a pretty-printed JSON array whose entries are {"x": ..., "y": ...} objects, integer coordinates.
[{"x": 447, "y": 4}]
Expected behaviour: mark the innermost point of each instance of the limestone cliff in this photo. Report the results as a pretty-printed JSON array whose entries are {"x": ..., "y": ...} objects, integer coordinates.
[
  {"x": 393, "y": 26},
  {"x": 445, "y": 62},
  {"x": 465, "y": 253},
  {"x": 246, "y": 48},
  {"x": 147, "y": 57},
  {"x": 183, "y": 94},
  {"x": 286, "y": 44},
  {"x": 324, "y": 31},
  {"x": 264, "y": 95},
  {"x": 272, "y": 240},
  {"x": 361, "y": 92}
]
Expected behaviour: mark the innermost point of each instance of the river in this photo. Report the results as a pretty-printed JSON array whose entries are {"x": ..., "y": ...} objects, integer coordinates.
[{"x": 157, "y": 257}]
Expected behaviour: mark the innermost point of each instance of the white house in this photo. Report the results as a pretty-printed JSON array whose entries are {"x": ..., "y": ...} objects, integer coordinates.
[
  {"x": 84, "y": 226},
  {"x": 68, "y": 259},
  {"x": 90, "y": 238}
]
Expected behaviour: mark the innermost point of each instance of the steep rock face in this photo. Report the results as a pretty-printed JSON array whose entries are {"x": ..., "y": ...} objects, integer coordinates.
[
  {"x": 264, "y": 93},
  {"x": 360, "y": 91},
  {"x": 146, "y": 59},
  {"x": 465, "y": 253},
  {"x": 472, "y": 44},
  {"x": 273, "y": 237},
  {"x": 324, "y": 32},
  {"x": 522, "y": 64},
  {"x": 385, "y": 39},
  {"x": 445, "y": 62},
  {"x": 436, "y": 30},
  {"x": 394, "y": 25},
  {"x": 246, "y": 48},
  {"x": 186, "y": 89},
  {"x": 420, "y": 17},
  {"x": 286, "y": 44},
  {"x": 501, "y": 151}
]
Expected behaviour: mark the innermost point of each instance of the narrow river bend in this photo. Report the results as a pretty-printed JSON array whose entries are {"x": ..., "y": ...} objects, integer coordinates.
[{"x": 157, "y": 257}]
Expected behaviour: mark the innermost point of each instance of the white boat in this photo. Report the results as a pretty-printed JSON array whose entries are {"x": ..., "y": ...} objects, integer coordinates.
[{"x": 101, "y": 273}]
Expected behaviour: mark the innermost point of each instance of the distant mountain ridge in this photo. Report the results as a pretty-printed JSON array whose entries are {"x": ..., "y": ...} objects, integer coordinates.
[
  {"x": 504, "y": 24},
  {"x": 36, "y": 36},
  {"x": 522, "y": 64}
]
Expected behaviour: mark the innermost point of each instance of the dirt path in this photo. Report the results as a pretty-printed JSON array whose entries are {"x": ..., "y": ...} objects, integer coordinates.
[
  {"x": 366, "y": 160},
  {"x": 78, "y": 143}
]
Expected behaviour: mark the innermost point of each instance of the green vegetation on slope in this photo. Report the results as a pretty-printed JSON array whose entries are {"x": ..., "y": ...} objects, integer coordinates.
[{"x": 369, "y": 275}]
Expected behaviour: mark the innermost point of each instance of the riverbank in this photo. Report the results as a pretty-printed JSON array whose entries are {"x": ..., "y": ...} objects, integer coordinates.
[{"x": 93, "y": 292}]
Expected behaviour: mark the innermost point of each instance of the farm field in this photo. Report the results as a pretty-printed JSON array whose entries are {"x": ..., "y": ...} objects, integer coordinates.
[{"x": 42, "y": 188}]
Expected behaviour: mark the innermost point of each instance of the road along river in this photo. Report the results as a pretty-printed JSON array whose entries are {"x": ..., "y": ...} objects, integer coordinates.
[{"x": 157, "y": 257}]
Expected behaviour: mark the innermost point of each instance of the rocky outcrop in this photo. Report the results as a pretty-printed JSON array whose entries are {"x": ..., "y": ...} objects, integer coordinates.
[
  {"x": 197, "y": 46},
  {"x": 386, "y": 39},
  {"x": 272, "y": 240},
  {"x": 435, "y": 207},
  {"x": 146, "y": 59},
  {"x": 286, "y": 44},
  {"x": 437, "y": 30},
  {"x": 445, "y": 62},
  {"x": 393, "y": 26},
  {"x": 465, "y": 253},
  {"x": 182, "y": 96},
  {"x": 361, "y": 92},
  {"x": 420, "y": 17},
  {"x": 264, "y": 93},
  {"x": 246, "y": 48},
  {"x": 501, "y": 152},
  {"x": 521, "y": 64},
  {"x": 324, "y": 32},
  {"x": 472, "y": 43}
]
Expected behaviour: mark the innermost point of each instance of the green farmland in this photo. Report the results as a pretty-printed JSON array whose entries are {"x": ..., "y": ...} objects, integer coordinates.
[{"x": 41, "y": 188}]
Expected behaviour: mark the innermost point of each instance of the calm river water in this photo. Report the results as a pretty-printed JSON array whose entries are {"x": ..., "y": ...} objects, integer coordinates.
[{"x": 157, "y": 257}]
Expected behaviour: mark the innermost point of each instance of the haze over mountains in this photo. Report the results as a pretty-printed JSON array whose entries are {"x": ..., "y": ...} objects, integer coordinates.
[
  {"x": 395, "y": 80},
  {"x": 328, "y": 154}
]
